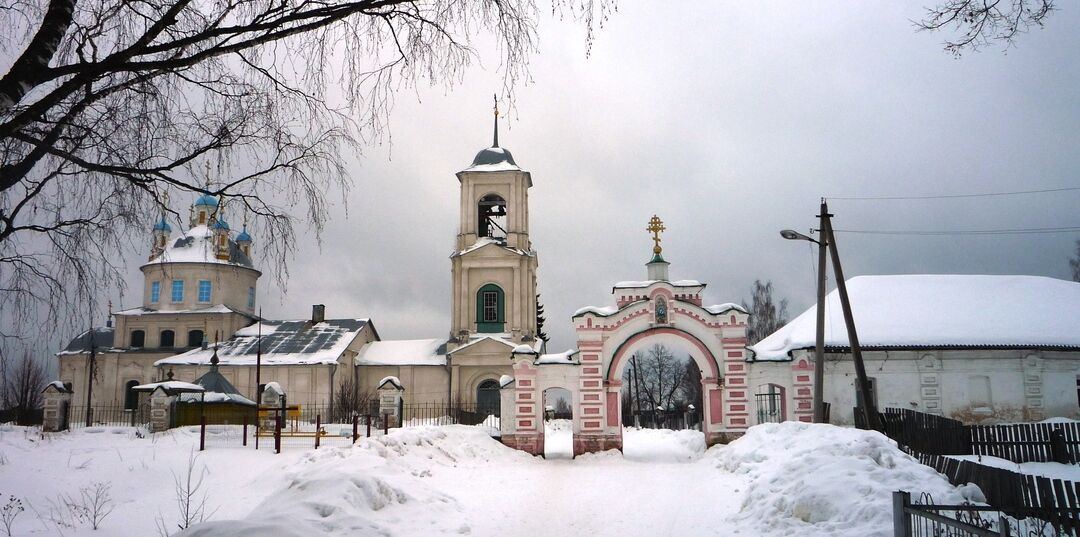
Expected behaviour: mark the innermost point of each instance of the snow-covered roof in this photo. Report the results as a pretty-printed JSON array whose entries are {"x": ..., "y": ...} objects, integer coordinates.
[
  {"x": 485, "y": 241},
  {"x": 524, "y": 349},
  {"x": 570, "y": 356},
  {"x": 646, "y": 283},
  {"x": 58, "y": 386},
  {"x": 602, "y": 311},
  {"x": 170, "y": 386},
  {"x": 282, "y": 343},
  {"x": 216, "y": 308},
  {"x": 393, "y": 381},
  {"x": 493, "y": 159},
  {"x": 403, "y": 352},
  {"x": 196, "y": 245},
  {"x": 728, "y": 306},
  {"x": 504, "y": 338},
  {"x": 102, "y": 340},
  {"x": 505, "y": 380},
  {"x": 941, "y": 311}
]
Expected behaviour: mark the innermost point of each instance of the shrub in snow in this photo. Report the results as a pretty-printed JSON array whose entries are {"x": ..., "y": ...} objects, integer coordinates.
[
  {"x": 816, "y": 479},
  {"x": 9, "y": 511}
]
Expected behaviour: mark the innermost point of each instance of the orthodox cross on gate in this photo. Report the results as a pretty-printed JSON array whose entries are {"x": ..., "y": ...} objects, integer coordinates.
[{"x": 656, "y": 226}]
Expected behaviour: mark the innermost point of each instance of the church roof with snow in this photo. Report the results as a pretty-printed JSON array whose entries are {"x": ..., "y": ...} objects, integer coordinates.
[
  {"x": 931, "y": 311},
  {"x": 282, "y": 343},
  {"x": 403, "y": 352},
  {"x": 196, "y": 245},
  {"x": 102, "y": 340}
]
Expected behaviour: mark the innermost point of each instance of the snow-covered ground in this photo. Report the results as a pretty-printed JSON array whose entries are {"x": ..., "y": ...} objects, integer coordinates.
[
  {"x": 1053, "y": 470},
  {"x": 785, "y": 479}
]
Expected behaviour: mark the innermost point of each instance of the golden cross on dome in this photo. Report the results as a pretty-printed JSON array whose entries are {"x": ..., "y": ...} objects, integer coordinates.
[{"x": 656, "y": 226}]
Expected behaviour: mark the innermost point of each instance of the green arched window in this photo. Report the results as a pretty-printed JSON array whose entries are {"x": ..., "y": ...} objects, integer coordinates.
[{"x": 490, "y": 305}]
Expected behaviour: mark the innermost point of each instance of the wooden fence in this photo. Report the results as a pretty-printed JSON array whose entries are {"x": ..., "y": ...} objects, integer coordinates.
[
  {"x": 1025, "y": 442},
  {"x": 1018, "y": 495}
]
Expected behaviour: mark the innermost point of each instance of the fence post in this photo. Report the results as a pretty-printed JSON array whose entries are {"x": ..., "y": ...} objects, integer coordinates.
[
  {"x": 355, "y": 427},
  {"x": 277, "y": 432},
  {"x": 318, "y": 426},
  {"x": 901, "y": 521},
  {"x": 368, "y": 419},
  {"x": 202, "y": 433},
  {"x": 385, "y": 424},
  {"x": 245, "y": 430}
]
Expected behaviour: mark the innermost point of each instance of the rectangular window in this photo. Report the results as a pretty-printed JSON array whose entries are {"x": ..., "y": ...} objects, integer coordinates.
[
  {"x": 155, "y": 292},
  {"x": 491, "y": 307},
  {"x": 979, "y": 391},
  {"x": 204, "y": 290},
  {"x": 251, "y": 297},
  {"x": 178, "y": 290}
]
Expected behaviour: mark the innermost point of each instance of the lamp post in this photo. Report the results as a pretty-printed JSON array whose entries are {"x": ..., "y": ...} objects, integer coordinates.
[
  {"x": 828, "y": 239},
  {"x": 819, "y": 341}
]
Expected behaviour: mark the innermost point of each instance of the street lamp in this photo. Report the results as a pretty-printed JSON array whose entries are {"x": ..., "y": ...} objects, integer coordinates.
[
  {"x": 828, "y": 242},
  {"x": 819, "y": 341},
  {"x": 793, "y": 235}
]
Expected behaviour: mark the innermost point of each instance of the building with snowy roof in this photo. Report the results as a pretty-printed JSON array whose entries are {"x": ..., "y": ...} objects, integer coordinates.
[
  {"x": 199, "y": 301},
  {"x": 199, "y": 294},
  {"x": 979, "y": 348}
]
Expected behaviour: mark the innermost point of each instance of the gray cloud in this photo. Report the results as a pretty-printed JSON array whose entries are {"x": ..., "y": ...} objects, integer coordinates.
[{"x": 729, "y": 121}]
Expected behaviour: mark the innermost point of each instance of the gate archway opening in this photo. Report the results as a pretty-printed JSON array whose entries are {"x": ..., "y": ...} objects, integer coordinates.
[
  {"x": 558, "y": 423},
  {"x": 661, "y": 406}
]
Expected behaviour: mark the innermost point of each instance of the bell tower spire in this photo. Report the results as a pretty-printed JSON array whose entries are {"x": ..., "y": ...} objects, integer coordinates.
[{"x": 495, "y": 142}]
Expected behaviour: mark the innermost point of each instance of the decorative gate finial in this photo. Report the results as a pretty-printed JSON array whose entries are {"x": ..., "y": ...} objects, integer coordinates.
[{"x": 656, "y": 226}]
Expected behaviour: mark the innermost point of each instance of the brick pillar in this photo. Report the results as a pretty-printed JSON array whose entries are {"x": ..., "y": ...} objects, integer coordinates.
[
  {"x": 160, "y": 408},
  {"x": 57, "y": 403}
]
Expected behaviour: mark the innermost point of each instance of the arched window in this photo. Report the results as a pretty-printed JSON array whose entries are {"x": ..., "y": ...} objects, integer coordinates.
[
  {"x": 138, "y": 338},
  {"x": 167, "y": 339},
  {"x": 489, "y": 309},
  {"x": 487, "y": 398},
  {"x": 491, "y": 214},
  {"x": 194, "y": 338},
  {"x": 131, "y": 397}
]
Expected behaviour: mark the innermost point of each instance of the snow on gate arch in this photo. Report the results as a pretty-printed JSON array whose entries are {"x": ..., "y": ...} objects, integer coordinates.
[{"x": 657, "y": 310}]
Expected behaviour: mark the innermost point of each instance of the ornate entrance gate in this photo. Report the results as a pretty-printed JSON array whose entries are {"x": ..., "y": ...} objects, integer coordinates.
[{"x": 657, "y": 310}]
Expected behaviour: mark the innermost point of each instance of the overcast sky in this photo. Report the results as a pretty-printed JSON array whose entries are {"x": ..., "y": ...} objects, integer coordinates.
[{"x": 729, "y": 121}]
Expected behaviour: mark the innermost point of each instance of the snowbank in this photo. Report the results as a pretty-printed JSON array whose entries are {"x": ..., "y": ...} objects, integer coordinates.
[
  {"x": 380, "y": 486},
  {"x": 808, "y": 480}
]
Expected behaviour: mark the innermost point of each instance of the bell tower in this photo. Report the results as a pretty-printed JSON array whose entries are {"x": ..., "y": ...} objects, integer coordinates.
[{"x": 494, "y": 265}]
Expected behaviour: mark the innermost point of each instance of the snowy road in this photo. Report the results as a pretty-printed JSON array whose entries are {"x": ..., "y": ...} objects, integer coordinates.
[{"x": 781, "y": 480}]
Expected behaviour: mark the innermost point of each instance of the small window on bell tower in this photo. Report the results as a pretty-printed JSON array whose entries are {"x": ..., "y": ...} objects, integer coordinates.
[
  {"x": 202, "y": 217},
  {"x": 491, "y": 212}
]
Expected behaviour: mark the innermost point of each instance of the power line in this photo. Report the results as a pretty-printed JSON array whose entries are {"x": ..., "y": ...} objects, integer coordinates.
[
  {"x": 952, "y": 196},
  {"x": 1023, "y": 231}
]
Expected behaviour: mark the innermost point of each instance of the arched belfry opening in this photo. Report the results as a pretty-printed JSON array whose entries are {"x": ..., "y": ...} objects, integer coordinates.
[{"x": 491, "y": 214}]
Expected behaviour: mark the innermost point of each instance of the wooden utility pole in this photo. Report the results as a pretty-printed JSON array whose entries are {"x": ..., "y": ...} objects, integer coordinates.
[
  {"x": 90, "y": 374},
  {"x": 819, "y": 345},
  {"x": 869, "y": 407}
]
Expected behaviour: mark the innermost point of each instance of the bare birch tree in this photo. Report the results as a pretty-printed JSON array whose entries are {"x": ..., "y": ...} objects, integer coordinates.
[
  {"x": 109, "y": 106},
  {"x": 766, "y": 315},
  {"x": 981, "y": 23}
]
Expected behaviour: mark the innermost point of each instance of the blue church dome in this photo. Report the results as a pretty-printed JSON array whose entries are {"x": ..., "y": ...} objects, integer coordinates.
[
  {"x": 220, "y": 224},
  {"x": 162, "y": 225},
  {"x": 207, "y": 200},
  {"x": 243, "y": 236}
]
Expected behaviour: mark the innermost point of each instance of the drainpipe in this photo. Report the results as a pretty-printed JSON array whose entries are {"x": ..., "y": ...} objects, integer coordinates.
[{"x": 332, "y": 369}]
